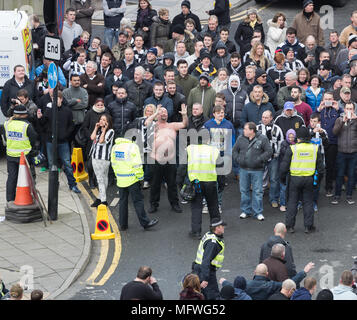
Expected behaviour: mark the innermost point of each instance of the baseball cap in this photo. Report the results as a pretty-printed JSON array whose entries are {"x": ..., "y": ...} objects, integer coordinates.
[
  {"x": 345, "y": 90},
  {"x": 215, "y": 222},
  {"x": 153, "y": 50},
  {"x": 289, "y": 105}
]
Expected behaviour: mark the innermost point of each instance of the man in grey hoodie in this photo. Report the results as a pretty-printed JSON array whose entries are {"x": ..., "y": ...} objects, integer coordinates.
[
  {"x": 344, "y": 290},
  {"x": 222, "y": 57},
  {"x": 71, "y": 29}
]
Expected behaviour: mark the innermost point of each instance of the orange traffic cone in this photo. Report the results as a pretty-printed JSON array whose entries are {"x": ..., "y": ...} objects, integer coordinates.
[{"x": 23, "y": 191}]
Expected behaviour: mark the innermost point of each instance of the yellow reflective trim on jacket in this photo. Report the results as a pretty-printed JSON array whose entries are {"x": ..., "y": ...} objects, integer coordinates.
[
  {"x": 218, "y": 260},
  {"x": 303, "y": 161},
  {"x": 201, "y": 163},
  {"x": 126, "y": 162},
  {"x": 17, "y": 140}
]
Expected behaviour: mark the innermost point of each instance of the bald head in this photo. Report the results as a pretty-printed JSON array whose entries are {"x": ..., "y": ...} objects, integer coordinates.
[
  {"x": 261, "y": 270},
  {"x": 280, "y": 230},
  {"x": 278, "y": 251}
]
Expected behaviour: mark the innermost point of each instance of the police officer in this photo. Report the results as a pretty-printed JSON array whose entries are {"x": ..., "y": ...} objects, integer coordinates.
[
  {"x": 201, "y": 169},
  {"x": 20, "y": 137},
  {"x": 303, "y": 160},
  {"x": 128, "y": 169},
  {"x": 209, "y": 258}
]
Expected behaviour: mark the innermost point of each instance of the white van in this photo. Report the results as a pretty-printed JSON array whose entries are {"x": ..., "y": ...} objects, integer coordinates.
[{"x": 15, "y": 48}]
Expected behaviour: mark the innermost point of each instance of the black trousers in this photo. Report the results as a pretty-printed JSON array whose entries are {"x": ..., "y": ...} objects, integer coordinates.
[
  {"x": 331, "y": 160},
  {"x": 208, "y": 191},
  {"x": 211, "y": 292},
  {"x": 12, "y": 174},
  {"x": 138, "y": 201},
  {"x": 159, "y": 172},
  {"x": 300, "y": 186}
]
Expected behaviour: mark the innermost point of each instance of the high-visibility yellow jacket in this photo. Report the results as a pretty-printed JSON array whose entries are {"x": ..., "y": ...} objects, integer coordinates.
[
  {"x": 303, "y": 160},
  {"x": 17, "y": 140},
  {"x": 126, "y": 162}
]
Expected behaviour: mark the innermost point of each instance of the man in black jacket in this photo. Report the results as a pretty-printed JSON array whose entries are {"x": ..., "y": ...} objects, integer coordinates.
[
  {"x": 122, "y": 111},
  {"x": 251, "y": 151},
  {"x": 143, "y": 287},
  {"x": 138, "y": 90},
  {"x": 279, "y": 237},
  {"x": 184, "y": 15},
  {"x": 178, "y": 99},
  {"x": 12, "y": 86},
  {"x": 302, "y": 160},
  {"x": 65, "y": 118}
]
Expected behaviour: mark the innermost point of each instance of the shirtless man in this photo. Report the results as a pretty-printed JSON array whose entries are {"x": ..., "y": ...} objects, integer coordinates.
[{"x": 163, "y": 152}]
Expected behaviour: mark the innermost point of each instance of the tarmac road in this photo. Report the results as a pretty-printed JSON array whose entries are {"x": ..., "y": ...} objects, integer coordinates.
[{"x": 170, "y": 252}]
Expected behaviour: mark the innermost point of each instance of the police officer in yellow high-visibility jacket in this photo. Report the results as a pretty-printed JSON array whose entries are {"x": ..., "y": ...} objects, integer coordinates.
[
  {"x": 302, "y": 160},
  {"x": 128, "y": 169},
  {"x": 20, "y": 137},
  {"x": 201, "y": 167},
  {"x": 209, "y": 258}
]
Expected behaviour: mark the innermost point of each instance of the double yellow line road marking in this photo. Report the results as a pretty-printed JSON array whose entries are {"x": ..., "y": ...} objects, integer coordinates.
[{"x": 104, "y": 246}]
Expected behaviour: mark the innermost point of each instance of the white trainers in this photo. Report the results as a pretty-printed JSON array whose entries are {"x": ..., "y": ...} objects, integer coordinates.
[
  {"x": 205, "y": 209},
  {"x": 243, "y": 215},
  {"x": 283, "y": 208},
  {"x": 146, "y": 185},
  {"x": 220, "y": 209},
  {"x": 260, "y": 217}
]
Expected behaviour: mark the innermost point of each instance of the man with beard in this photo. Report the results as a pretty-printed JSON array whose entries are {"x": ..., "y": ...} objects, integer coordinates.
[{"x": 300, "y": 106}]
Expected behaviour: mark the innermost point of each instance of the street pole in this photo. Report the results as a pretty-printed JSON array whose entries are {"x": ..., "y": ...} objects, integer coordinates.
[{"x": 53, "y": 183}]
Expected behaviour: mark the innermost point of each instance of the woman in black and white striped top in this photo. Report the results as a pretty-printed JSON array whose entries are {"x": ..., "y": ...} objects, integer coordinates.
[{"x": 102, "y": 137}]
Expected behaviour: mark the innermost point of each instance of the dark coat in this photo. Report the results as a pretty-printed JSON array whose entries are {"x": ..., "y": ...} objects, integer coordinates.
[
  {"x": 254, "y": 154},
  {"x": 235, "y": 102},
  {"x": 123, "y": 113},
  {"x": 109, "y": 81},
  {"x": 138, "y": 93},
  {"x": 181, "y": 18},
  {"x": 221, "y": 10},
  {"x": 278, "y": 296},
  {"x": 277, "y": 269},
  {"x": 252, "y": 112},
  {"x": 94, "y": 91},
  {"x": 84, "y": 15},
  {"x": 189, "y": 294},
  {"x": 261, "y": 288},
  {"x": 177, "y": 100},
  {"x": 265, "y": 252},
  {"x": 145, "y": 22},
  {"x": 159, "y": 32},
  {"x": 10, "y": 90},
  {"x": 90, "y": 120},
  {"x": 301, "y": 294},
  {"x": 244, "y": 33}
]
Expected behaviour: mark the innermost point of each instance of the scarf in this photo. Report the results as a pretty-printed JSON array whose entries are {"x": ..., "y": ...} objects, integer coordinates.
[
  {"x": 198, "y": 121},
  {"x": 142, "y": 15},
  {"x": 308, "y": 14},
  {"x": 98, "y": 110},
  {"x": 252, "y": 23}
]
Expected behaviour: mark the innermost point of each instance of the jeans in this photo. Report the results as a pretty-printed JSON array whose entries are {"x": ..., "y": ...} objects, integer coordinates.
[
  {"x": 273, "y": 171},
  {"x": 110, "y": 35},
  {"x": 64, "y": 154},
  {"x": 345, "y": 160},
  {"x": 252, "y": 204}
]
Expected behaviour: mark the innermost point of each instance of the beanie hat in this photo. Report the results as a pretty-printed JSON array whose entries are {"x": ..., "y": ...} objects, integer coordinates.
[
  {"x": 259, "y": 72},
  {"x": 251, "y": 11},
  {"x": 227, "y": 292},
  {"x": 153, "y": 50},
  {"x": 233, "y": 77},
  {"x": 186, "y": 4},
  {"x": 148, "y": 68},
  {"x": 352, "y": 38},
  {"x": 325, "y": 65},
  {"x": 118, "y": 65},
  {"x": 306, "y": 3},
  {"x": 325, "y": 294},
  {"x": 204, "y": 53},
  {"x": 204, "y": 75},
  {"x": 240, "y": 283},
  {"x": 303, "y": 133},
  {"x": 20, "y": 109},
  {"x": 178, "y": 29}
]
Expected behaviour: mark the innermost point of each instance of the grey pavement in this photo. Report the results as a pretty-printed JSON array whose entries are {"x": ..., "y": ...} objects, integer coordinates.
[
  {"x": 56, "y": 255},
  {"x": 199, "y": 7}
]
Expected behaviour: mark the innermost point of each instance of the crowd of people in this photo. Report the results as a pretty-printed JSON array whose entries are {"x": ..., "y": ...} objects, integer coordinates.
[
  {"x": 258, "y": 98},
  {"x": 275, "y": 278}
]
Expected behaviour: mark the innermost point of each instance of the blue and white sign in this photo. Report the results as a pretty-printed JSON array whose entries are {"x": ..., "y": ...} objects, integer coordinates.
[{"x": 52, "y": 75}]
